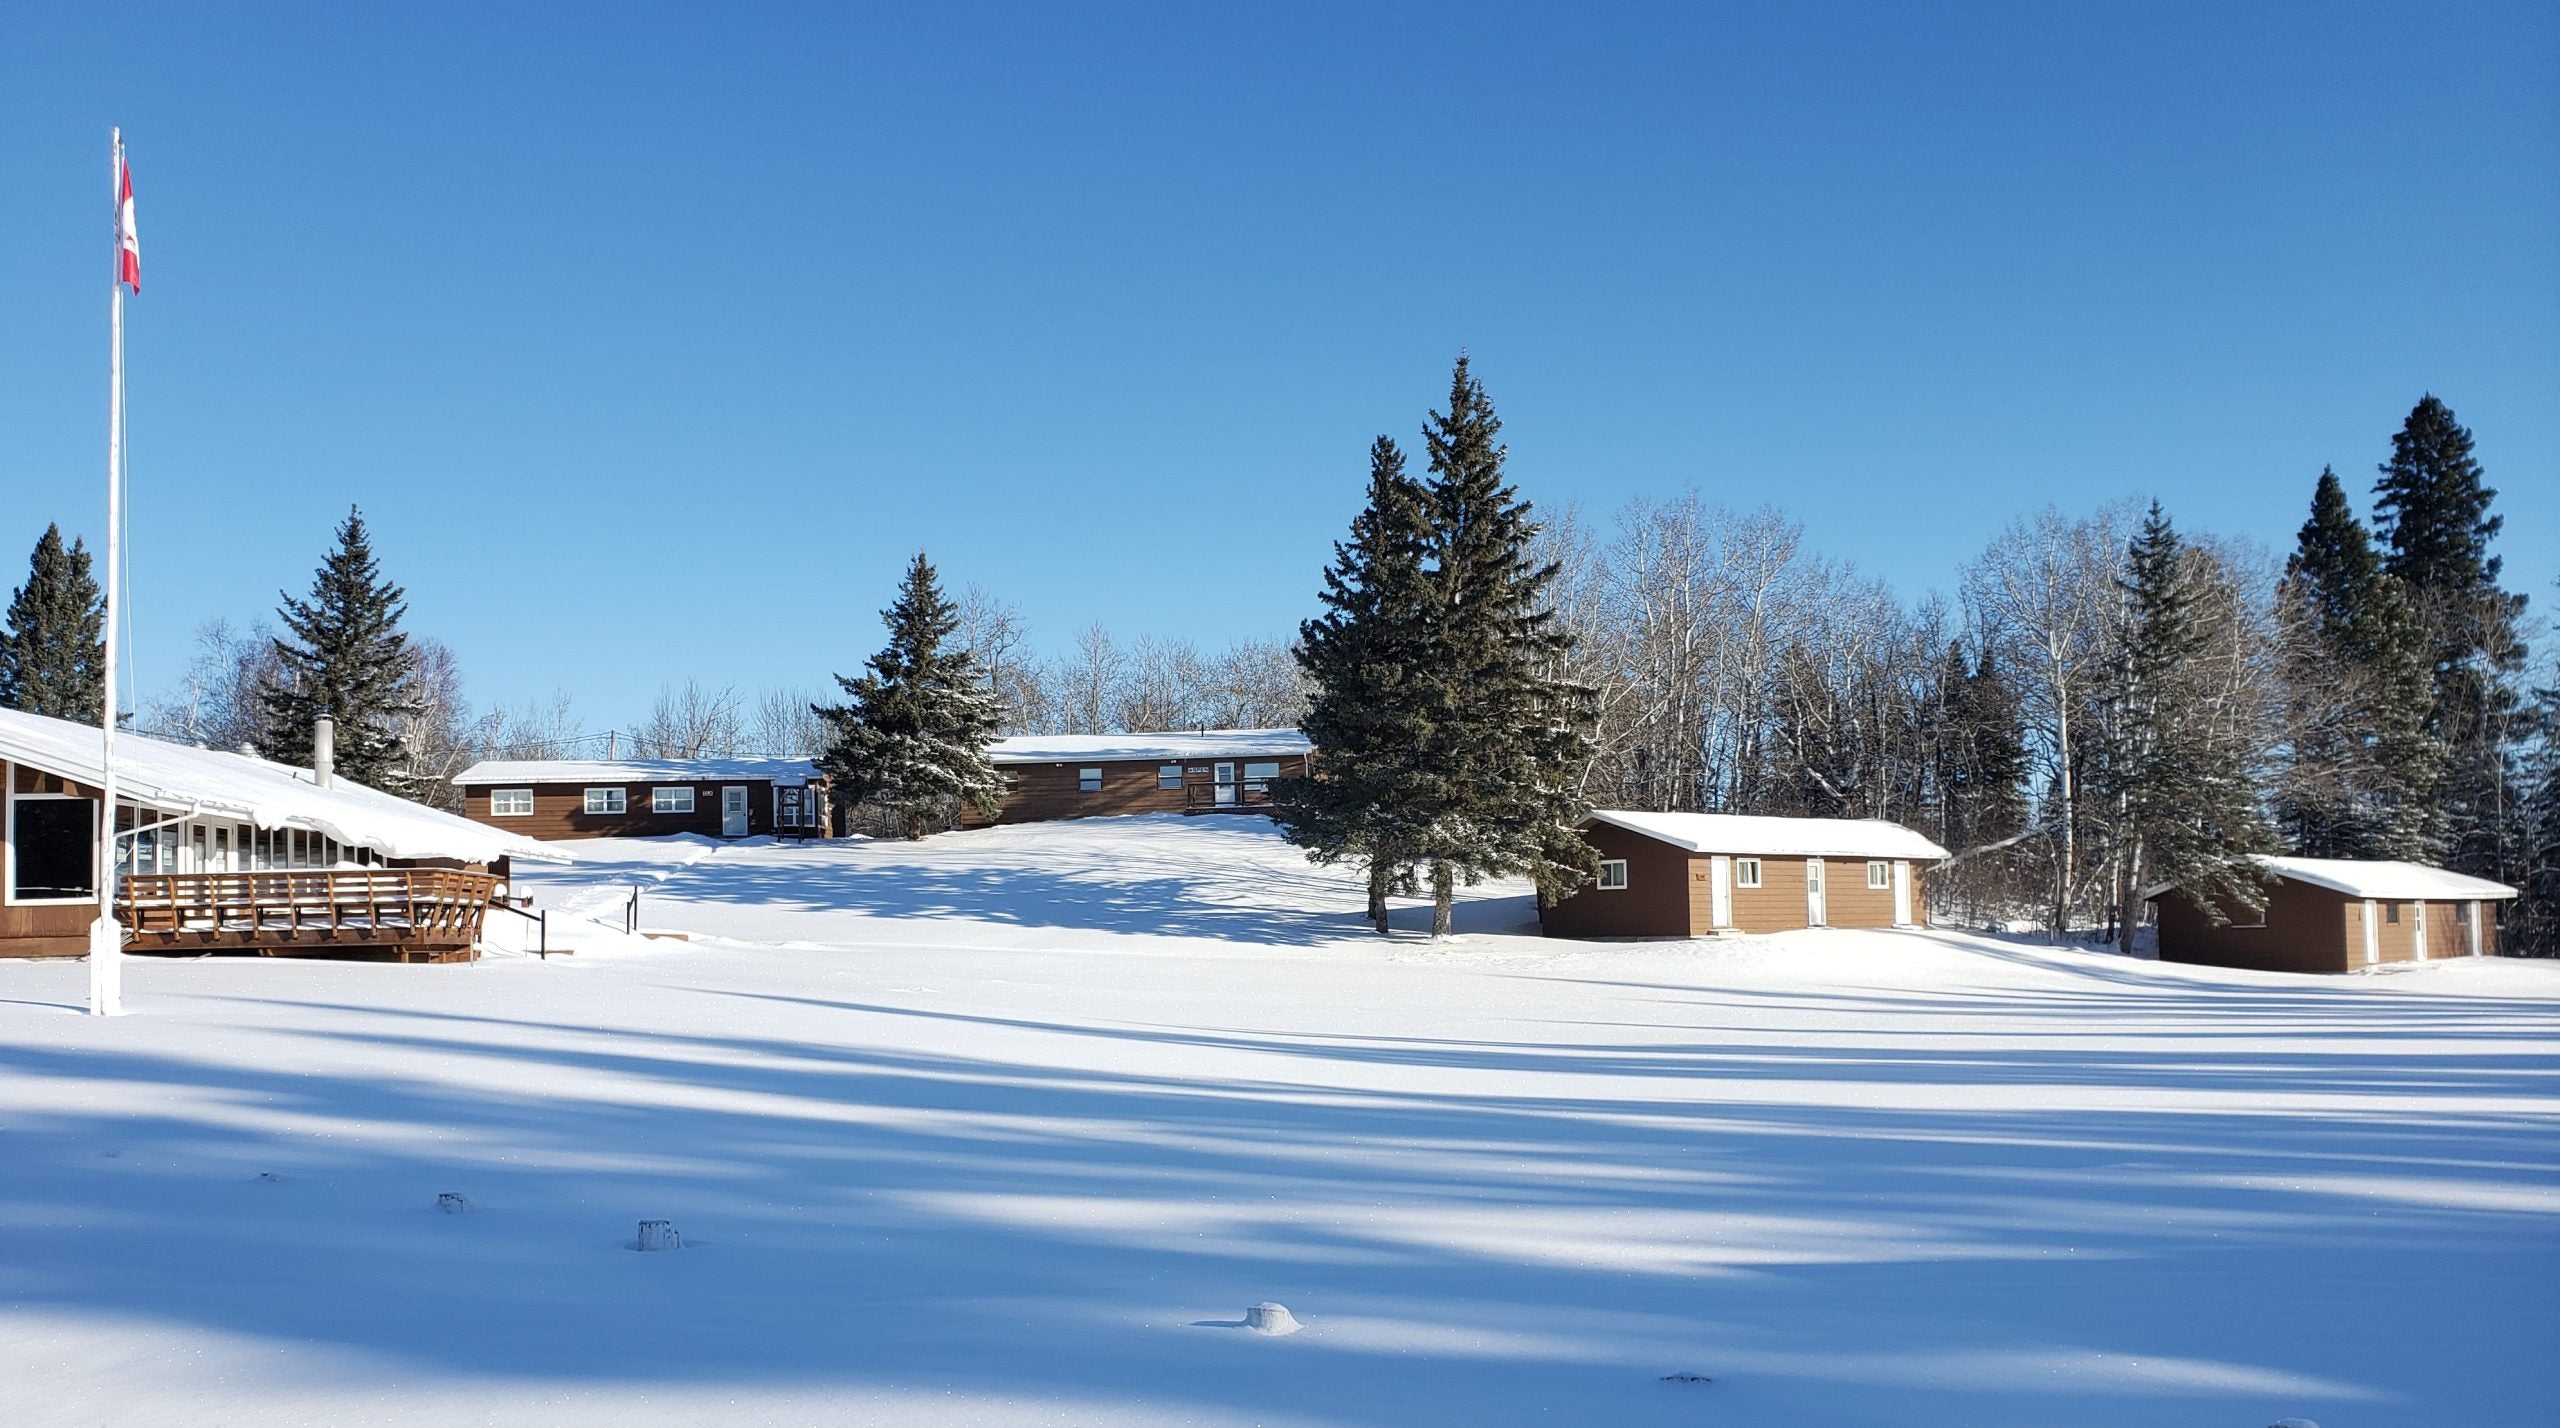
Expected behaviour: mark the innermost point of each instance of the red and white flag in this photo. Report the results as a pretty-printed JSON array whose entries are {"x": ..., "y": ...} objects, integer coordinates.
[{"x": 128, "y": 242}]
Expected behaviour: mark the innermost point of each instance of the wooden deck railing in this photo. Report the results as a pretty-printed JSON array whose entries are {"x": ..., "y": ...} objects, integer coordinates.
[{"x": 400, "y": 909}]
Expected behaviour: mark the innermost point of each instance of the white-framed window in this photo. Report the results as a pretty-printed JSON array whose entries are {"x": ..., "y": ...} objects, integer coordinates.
[
  {"x": 2391, "y": 913},
  {"x": 605, "y": 800},
  {"x": 2462, "y": 914},
  {"x": 1169, "y": 776},
  {"x": 1088, "y": 780},
  {"x": 1258, "y": 777},
  {"x": 1746, "y": 872},
  {"x": 1879, "y": 874},
  {"x": 53, "y": 848},
  {"x": 510, "y": 802},
  {"x": 1613, "y": 874},
  {"x": 671, "y": 800}
]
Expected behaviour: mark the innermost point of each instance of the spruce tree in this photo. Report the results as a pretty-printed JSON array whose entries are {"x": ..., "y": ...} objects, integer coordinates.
[
  {"x": 344, "y": 655},
  {"x": 1504, "y": 735},
  {"x": 2432, "y": 503},
  {"x": 2177, "y": 768},
  {"x": 53, "y": 650},
  {"x": 2361, "y": 768},
  {"x": 911, "y": 739},
  {"x": 1362, "y": 659}
]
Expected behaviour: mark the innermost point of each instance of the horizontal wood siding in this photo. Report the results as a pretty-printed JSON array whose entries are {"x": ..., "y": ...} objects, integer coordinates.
[
  {"x": 1849, "y": 902},
  {"x": 1041, "y": 792},
  {"x": 44, "y": 929},
  {"x": 1654, "y": 903},
  {"x": 559, "y": 810},
  {"x": 1777, "y": 905},
  {"x": 2305, "y": 929}
]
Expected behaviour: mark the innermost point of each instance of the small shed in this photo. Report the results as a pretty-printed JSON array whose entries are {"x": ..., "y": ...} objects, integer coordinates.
[
  {"x": 1051, "y": 776},
  {"x": 1705, "y": 874},
  {"x": 554, "y": 799},
  {"x": 2336, "y": 915}
]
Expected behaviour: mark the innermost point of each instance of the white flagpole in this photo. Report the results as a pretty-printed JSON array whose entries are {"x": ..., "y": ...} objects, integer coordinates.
[{"x": 106, "y": 938}]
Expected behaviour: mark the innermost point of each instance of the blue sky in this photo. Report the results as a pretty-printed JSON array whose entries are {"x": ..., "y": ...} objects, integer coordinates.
[{"x": 652, "y": 339}]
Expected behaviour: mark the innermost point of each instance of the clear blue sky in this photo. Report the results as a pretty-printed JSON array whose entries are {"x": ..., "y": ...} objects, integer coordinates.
[{"x": 652, "y": 339}]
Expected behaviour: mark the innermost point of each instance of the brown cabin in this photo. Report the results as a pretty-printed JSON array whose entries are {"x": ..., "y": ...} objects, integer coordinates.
[
  {"x": 2336, "y": 915},
  {"x": 1095, "y": 775},
  {"x": 556, "y": 799},
  {"x": 225, "y": 853},
  {"x": 1713, "y": 874}
]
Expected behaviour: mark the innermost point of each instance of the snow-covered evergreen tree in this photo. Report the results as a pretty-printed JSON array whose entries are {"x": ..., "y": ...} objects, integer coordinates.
[
  {"x": 910, "y": 741},
  {"x": 345, "y": 655},
  {"x": 52, "y": 649},
  {"x": 2179, "y": 769},
  {"x": 2360, "y": 767},
  {"x": 1366, "y": 714}
]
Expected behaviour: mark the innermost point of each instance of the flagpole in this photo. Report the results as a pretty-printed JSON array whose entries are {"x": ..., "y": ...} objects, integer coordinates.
[{"x": 106, "y": 938}]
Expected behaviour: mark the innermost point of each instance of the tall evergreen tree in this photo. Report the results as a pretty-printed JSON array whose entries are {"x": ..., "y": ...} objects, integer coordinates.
[
  {"x": 1363, "y": 659},
  {"x": 2360, "y": 771},
  {"x": 2432, "y": 502},
  {"x": 911, "y": 739},
  {"x": 344, "y": 655},
  {"x": 2177, "y": 769},
  {"x": 1505, "y": 736},
  {"x": 53, "y": 650}
]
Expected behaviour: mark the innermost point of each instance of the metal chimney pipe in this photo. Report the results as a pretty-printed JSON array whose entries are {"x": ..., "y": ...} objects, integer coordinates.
[{"x": 324, "y": 750}]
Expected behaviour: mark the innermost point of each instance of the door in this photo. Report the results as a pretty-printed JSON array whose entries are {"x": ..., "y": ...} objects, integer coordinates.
[
  {"x": 1901, "y": 894},
  {"x": 2475, "y": 929},
  {"x": 1720, "y": 891},
  {"x": 1813, "y": 914},
  {"x": 2418, "y": 932},
  {"x": 733, "y": 811},
  {"x": 1226, "y": 785},
  {"x": 2372, "y": 932}
]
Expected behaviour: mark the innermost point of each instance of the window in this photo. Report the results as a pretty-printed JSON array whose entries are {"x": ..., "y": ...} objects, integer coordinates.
[
  {"x": 1169, "y": 776},
  {"x": 1879, "y": 875},
  {"x": 1746, "y": 872},
  {"x": 604, "y": 800},
  {"x": 671, "y": 800},
  {"x": 1258, "y": 777},
  {"x": 54, "y": 843},
  {"x": 2461, "y": 912},
  {"x": 2391, "y": 913},
  {"x": 1613, "y": 874},
  {"x": 510, "y": 802},
  {"x": 1088, "y": 780}
]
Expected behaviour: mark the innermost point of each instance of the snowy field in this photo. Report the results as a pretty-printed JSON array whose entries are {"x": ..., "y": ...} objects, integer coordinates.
[{"x": 1011, "y": 1126}]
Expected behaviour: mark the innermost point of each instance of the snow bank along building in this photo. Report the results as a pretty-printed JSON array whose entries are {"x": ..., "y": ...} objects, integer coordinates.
[
  {"x": 1088, "y": 775},
  {"x": 554, "y": 799},
  {"x": 225, "y": 852},
  {"x": 2336, "y": 915},
  {"x": 1701, "y": 874}
]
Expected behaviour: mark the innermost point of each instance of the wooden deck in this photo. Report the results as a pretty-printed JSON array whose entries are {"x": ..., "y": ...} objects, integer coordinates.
[{"x": 401, "y": 914}]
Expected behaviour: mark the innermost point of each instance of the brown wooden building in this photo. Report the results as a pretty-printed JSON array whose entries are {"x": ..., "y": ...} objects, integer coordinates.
[
  {"x": 1706, "y": 874},
  {"x": 222, "y": 852},
  {"x": 1095, "y": 775},
  {"x": 557, "y": 799},
  {"x": 2336, "y": 915}
]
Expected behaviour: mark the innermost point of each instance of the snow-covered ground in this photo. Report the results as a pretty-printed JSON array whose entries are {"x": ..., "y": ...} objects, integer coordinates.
[{"x": 1011, "y": 1126}]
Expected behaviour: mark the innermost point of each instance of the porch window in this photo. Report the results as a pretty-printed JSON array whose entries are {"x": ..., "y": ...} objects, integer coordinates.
[
  {"x": 510, "y": 802},
  {"x": 1257, "y": 779},
  {"x": 605, "y": 800},
  {"x": 671, "y": 800},
  {"x": 1169, "y": 776},
  {"x": 1088, "y": 780},
  {"x": 1613, "y": 874},
  {"x": 1879, "y": 875},
  {"x": 1746, "y": 872},
  {"x": 53, "y": 841}
]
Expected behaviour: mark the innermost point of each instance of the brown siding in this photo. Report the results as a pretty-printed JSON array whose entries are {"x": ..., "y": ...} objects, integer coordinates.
[
  {"x": 1777, "y": 905},
  {"x": 1655, "y": 902},
  {"x": 559, "y": 810},
  {"x": 1849, "y": 902},
  {"x": 46, "y": 929},
  {"x": 1039, "y": 792}
]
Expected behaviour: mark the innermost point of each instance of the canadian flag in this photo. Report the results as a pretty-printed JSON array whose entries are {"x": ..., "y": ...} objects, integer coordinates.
[{"x": 128, "y": 242}]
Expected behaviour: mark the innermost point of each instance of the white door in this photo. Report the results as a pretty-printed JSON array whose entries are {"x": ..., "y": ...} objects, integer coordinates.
[
  {"x": 733, "y": 812},
  {"x": 1226, "y": 784},
  {"x": 1901, "y": 894},
  {"x": 1813, "y": 892},
  {"x": 1720, "y": 890},
  {"x": 2419, "y": 929},
  {"x": 2372, "y": 932},
  {"x": 2475, "y": 928}
]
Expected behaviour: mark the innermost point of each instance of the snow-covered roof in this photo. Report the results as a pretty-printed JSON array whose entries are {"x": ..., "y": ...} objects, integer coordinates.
[
  {"x": 178, "y": 778},
  {"x": 1783, "y": 837},
  {"x": 2400, "y": 882},
  {"x": 788, "y": 773},
  {"x": 1179, "y": 744}
]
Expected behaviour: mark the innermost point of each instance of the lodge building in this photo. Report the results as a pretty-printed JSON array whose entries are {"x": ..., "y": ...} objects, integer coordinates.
[
  {"x": 1051, "y": 776},
  {"x": 556, "y": 799}
]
